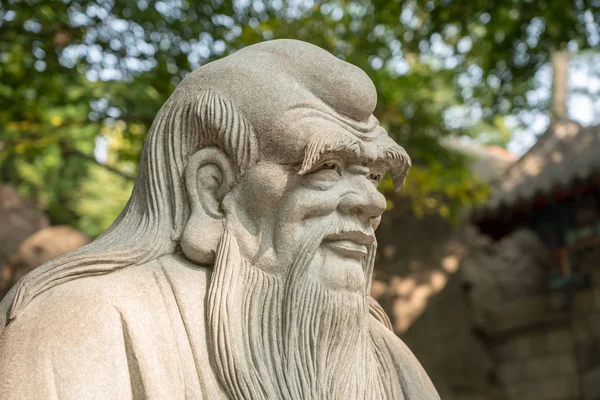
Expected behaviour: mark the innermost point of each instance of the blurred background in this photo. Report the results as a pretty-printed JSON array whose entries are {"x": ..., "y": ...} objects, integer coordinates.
[{"x": 488, "y": 259}]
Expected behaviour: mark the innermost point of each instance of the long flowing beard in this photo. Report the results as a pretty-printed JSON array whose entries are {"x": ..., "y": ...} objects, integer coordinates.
[{"x": 289, "y": 337}]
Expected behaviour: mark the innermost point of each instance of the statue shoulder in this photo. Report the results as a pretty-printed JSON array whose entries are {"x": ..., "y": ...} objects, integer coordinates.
[
  {"x": 109, "y": 328},
  {"x": 83, "y": 298},
  {"x": 135, "y": 288},
  {"x": 74, "y": 326}
]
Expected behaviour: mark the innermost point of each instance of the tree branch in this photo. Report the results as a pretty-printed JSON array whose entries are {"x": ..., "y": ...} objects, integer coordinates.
[
  {"x": 107, "y": 167},
  {"x": 71, "y": 151}
]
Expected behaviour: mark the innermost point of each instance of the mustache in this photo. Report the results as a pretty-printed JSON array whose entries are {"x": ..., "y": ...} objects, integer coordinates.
[
  {"x": 351, "y": 225},
  {"x": 343, "y": 228},
  {"x": 353, "y": 231},
  {"x": 338, "y": 230}
]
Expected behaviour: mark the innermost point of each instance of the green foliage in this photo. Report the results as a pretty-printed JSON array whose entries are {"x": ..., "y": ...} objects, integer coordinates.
[
  {"x": 99, "y": 200},
  {"x": 77, "y": 73}
]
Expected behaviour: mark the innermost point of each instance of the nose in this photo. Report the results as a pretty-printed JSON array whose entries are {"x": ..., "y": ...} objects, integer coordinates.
[{"x": 365, "y": 202}]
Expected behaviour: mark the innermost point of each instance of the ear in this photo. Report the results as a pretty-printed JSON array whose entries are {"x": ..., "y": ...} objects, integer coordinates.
[{"x": 209, "y": 176}]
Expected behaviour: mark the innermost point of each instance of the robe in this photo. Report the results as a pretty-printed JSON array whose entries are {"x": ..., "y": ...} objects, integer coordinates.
[{"x": 136, "y": 333}]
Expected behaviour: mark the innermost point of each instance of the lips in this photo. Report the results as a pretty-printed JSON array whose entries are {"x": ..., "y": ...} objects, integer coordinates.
[{"x": 353, "y": 244}]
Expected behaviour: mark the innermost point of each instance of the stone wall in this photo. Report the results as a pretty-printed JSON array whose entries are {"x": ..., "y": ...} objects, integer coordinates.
[
  {"x": 477, "y": 345},
  {"x": 555, "y": 355},
  {"x": 536, "y": 360},
  {"x": 538, "y": 349},
  {"x": 586, "y": 339},
  {"x": 418, "y": 283}
]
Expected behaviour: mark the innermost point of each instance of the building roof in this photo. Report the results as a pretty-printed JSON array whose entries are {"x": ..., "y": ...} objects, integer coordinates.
[
  {"x": 565, "y": 153},
  {"x": 487, "y": 162}
]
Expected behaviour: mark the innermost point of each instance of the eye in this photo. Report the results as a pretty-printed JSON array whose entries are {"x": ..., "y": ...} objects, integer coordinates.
[
  {"x": 332, "y": 165},
  {"x": 330, "y": 170},
  {"x": 375, "y": 177}
]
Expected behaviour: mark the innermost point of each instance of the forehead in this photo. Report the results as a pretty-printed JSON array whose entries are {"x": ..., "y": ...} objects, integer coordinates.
[{"x": 301, "y": 129}]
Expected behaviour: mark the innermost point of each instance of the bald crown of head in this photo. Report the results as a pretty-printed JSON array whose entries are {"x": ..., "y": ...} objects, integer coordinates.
[
  {"x": 266, "y": 79},
  {"x": 284, "y": 86}
]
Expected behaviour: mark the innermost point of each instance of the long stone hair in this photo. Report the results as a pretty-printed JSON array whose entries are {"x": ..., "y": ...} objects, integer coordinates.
[{"x": 153, "y": 220}]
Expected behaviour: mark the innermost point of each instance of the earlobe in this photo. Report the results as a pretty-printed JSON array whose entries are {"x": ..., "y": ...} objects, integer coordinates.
[{"x": 209, "y": 176}]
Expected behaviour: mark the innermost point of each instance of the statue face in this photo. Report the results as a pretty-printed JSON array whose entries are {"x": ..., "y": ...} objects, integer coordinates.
[
  {"x": 276, "y": 204},
  {"x": 294, "y": 266}
]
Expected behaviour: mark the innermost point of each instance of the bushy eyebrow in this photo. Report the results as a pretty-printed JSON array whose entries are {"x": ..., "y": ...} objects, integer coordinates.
[
  {"x": 398, "y": 159},
  {"x": 329, "y": 142},
  {"x": 388, "y": 151}
]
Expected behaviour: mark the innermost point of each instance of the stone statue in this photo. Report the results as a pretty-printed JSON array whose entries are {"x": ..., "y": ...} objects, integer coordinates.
[{"x": 241, "y": 265}]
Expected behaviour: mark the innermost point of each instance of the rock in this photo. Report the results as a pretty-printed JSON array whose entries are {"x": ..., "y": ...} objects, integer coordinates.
[{"x": 44, "y": 245}]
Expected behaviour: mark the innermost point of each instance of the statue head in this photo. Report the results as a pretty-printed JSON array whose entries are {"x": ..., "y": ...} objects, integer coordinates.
[
  {"x": 287, "y": 142},
  {"x": 264, "y": 166}
]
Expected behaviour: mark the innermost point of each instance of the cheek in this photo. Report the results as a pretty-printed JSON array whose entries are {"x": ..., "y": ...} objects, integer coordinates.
[
  {"x": 301, "y": 211},
  {"x": 260, "y": 190},
  {"x": 307, "y": 204},
  {"x": 305, "y": 201}
]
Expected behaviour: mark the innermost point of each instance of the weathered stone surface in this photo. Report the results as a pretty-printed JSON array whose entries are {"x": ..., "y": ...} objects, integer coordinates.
[
  {"x": 450, "y": 350},
  {"x": 242, "y": 264},
  {"x": 590, "y": 385},
  {"x": 517, "y": 346},
  {"x": 587, "y": 353},
  {"x": 505, "y": 272}
]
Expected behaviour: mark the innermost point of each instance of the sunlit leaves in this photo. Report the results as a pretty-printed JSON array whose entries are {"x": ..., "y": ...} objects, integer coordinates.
[{"x": 84, "y": 79}]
